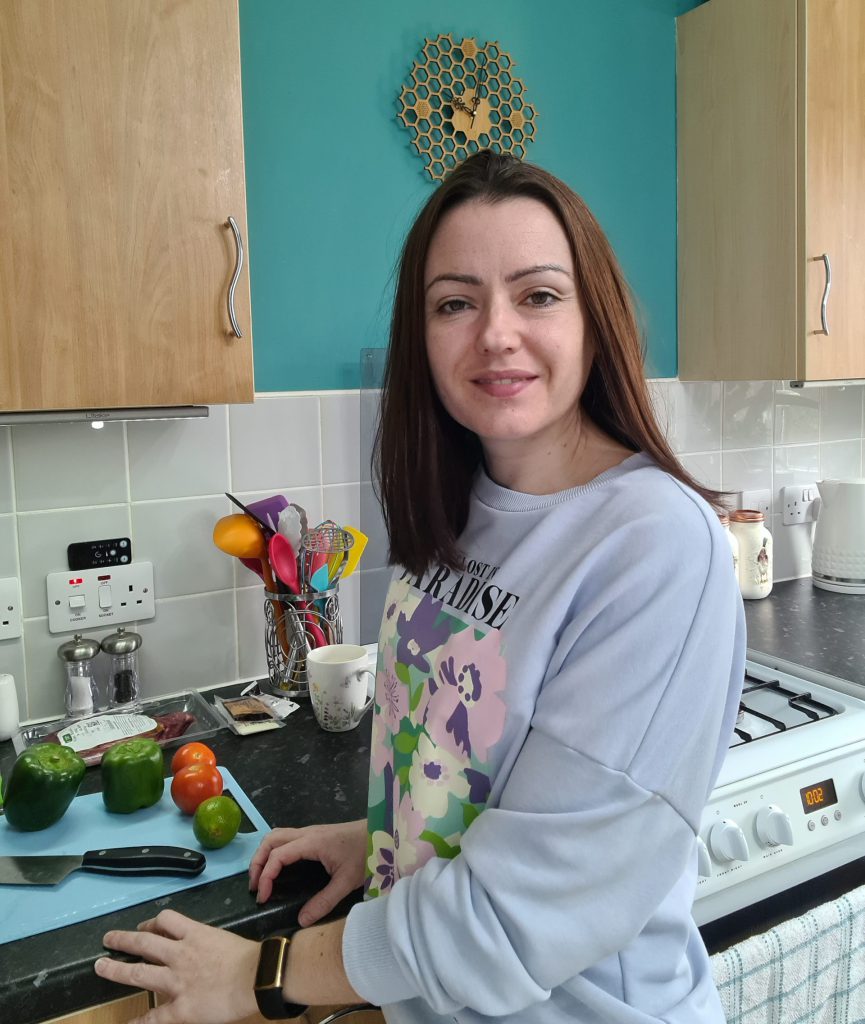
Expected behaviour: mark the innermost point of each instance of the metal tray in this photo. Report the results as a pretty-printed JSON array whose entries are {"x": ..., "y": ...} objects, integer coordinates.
[{"x": 206, "y": 723}]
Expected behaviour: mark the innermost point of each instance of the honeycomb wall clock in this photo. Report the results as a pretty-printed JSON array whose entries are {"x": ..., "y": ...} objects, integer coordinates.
[{"x": 461, "y": 97}]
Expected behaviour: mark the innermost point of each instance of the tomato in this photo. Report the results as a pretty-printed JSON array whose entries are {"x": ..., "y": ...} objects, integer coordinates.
[
  {"x": 192, "y": 753},
  {"x": 193, "y": 784}
]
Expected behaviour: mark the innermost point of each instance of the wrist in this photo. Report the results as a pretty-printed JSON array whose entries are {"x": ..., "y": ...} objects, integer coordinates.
[{"x": 270, "y": 982}]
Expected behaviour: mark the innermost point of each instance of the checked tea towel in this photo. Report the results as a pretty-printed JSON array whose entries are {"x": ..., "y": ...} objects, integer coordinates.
[{"x": 810, "y": 970}]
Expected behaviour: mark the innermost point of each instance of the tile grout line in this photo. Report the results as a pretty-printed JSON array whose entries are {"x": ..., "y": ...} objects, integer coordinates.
[{"x": 18, "y": 568}]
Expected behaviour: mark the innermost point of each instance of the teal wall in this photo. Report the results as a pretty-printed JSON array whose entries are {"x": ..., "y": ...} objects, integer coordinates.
[{"x": 332, "y": 183}]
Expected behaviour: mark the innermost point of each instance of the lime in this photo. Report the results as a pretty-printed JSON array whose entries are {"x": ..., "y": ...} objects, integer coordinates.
[{"x": 216, "y": 822}]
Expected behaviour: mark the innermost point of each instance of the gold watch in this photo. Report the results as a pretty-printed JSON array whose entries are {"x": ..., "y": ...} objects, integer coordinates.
[{"x": 272, "y": 961}]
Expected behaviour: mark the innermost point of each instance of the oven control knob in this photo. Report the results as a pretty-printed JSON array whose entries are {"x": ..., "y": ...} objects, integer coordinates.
[
  {"x": 704, "y": 861},
  {"x": 773, "y": 826},
  {"x": 727, "y": 841}
]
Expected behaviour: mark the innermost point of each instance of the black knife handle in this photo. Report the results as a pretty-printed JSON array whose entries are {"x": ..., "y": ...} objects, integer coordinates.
[{"x": 144, "y": 860}]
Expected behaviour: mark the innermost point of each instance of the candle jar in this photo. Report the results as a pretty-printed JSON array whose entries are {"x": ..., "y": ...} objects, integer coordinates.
[
  {"x": 81, "y": 694},
  {"x": 123, "y": 684},
  {"x": 755, "y": 553}
]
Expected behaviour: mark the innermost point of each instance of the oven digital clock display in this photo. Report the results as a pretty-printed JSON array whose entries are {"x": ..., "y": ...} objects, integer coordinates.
[{"x": 821, "y": 794}]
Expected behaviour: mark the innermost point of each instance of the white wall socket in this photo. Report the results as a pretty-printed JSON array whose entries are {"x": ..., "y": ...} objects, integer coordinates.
[
  {"x": 84, "y": 598},
  {"x": 800, "y": 503},
  {"x": 10, "y": 609},
  {"x": 759, "y": 500}
]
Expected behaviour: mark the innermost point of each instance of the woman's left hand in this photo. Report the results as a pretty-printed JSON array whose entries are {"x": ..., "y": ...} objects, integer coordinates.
[{"x": 203, "y": 975}]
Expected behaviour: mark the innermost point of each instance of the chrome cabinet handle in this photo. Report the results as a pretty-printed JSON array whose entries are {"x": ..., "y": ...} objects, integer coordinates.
[
  {"x": 238, "y": 241},
  {"x": 823, "y": 319}
]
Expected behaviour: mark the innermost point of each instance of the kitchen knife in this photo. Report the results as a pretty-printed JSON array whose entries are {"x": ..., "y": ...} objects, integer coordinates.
[{"x": 124, "y": 860}]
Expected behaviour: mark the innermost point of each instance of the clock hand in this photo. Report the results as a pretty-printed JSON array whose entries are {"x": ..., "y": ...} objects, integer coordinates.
[
  {"x": 479, "y": 84},
  {"x": 459, "y": 103}
]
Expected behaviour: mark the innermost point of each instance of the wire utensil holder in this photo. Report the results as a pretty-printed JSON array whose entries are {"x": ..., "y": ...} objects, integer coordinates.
[{"x": 295, "y": 624}]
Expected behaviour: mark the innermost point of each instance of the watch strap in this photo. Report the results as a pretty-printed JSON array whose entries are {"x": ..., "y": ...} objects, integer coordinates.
[{"x": 272, "y": 962}]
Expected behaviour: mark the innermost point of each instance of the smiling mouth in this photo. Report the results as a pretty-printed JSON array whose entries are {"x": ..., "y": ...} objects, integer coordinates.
[{"x": 504, "y": 380}]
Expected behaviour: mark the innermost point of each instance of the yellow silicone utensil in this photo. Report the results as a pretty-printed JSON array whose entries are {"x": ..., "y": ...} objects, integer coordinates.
[{"x": 355, "y": 551}]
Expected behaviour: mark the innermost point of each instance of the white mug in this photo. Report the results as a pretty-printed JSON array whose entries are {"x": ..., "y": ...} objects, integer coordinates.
[
  {"x": 338, "y": 687},
  {"x": 8, "y": 707}
]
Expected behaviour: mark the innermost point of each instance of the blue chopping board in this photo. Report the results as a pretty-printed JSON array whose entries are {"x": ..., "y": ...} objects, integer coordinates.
[{"x": 31, "y": 909}]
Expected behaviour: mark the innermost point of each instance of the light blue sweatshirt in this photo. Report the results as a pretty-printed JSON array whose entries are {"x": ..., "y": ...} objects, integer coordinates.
[{"x": 548, "y": 726}]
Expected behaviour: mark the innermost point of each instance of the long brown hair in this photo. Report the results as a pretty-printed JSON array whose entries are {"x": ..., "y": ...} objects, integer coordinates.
[{"x": 424, "y": 460}]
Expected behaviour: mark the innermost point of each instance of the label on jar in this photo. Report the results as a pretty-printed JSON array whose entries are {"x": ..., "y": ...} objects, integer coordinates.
[{"x": 92, "y": 732}]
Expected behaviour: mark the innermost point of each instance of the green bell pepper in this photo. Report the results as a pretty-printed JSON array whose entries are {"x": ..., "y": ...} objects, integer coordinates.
[
  {"x": 132, "y": 775},
  {"x": 41, "y": 786}
]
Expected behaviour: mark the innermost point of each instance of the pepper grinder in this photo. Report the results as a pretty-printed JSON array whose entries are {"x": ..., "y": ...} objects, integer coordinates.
[
  {"x": 123, "y": 688},
  {"x": 78, "y": 654}
]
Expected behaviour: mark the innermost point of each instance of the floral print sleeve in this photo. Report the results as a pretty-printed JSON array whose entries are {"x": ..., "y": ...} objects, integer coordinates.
[{"x": 439, "y": 708}]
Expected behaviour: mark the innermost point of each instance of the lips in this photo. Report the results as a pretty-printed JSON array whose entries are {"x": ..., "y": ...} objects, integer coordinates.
[{"x": 505, "y": 383}]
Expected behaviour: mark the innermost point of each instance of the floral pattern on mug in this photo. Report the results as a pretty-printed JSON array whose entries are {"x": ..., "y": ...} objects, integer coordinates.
[{"x": 440, "y": 708}]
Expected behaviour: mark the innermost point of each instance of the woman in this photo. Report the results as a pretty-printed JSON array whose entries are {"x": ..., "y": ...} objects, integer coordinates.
[{"x": 560, "y": 659}]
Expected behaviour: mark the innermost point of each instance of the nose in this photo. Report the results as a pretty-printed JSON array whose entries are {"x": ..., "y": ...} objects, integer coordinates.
[{"x": 498, "y": 330}]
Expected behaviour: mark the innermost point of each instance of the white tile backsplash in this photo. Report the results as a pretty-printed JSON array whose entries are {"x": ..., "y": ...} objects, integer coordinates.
[
  {"x": 162, "y": 483},
  {"x": 748, "y": 412},
  {"x": 67, "y": 465},
  {"x": 6, "y": 498},
  {"x": 797, "y": 414},
  {"x": 340, "y": 453},
  {"x": 275, "y": 443},
  {"x": 177, "y": 536},
  {"x": 178, "y": 458},
  {"x": 841, "y": 418}
]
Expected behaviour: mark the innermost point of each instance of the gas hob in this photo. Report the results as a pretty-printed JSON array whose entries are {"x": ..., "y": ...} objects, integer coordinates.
[{"x": 789, "y": 803}]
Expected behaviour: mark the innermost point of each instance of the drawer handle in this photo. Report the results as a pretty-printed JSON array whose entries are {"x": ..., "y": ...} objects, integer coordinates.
[
  {"x": 238, "y": 242},
  {"x": 823, "y": 317}
]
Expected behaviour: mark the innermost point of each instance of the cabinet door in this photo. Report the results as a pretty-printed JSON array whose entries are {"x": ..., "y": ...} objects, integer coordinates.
[
  {"x": 117, "y": 1012},
  {"x": 835, "y": 187},
  {"x": 737, "y": 190},
  {"x": 121, "y": 159}
]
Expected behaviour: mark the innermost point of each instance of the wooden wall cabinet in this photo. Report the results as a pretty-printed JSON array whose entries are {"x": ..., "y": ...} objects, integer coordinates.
[
  {"x": 771, "y": 165},
  {"x": 121, "y": 160}
]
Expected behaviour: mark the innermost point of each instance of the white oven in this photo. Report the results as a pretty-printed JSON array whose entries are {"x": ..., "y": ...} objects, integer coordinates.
[{"x": 789, "y": 804}]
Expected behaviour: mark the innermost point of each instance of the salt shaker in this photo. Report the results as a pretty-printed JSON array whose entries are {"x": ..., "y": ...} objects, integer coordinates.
[
  {"x": 8, "y": 707},
  {"x": 123, "y": 685},
  {"x": 755, "y": 553},
  {"x": 78, "y": 654}
]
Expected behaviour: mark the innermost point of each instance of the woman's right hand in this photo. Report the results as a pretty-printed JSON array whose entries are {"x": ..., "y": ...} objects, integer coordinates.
[{"x": 341, "y": 849}]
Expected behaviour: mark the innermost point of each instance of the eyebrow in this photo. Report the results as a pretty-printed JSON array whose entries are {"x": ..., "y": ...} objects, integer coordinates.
[{"x": 538, "y": 268}]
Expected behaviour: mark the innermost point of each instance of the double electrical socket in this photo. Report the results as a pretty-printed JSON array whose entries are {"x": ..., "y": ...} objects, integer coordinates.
[
  {"x": 801, "y": 503},
  {"x": 10, "y": 609}
]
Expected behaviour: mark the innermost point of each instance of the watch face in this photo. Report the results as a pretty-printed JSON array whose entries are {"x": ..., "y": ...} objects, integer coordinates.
[
  {"x": 461, "y": 97},
  {"x": 269, "y": 973}
]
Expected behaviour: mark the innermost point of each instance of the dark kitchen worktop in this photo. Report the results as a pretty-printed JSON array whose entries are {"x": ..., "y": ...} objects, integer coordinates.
[
  {"x": 295, "y": 776},
  {"x": 807, "y": 626}
]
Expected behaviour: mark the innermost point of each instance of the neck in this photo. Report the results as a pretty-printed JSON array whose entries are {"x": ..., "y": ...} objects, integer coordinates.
[{"x": 571, "y": 459}]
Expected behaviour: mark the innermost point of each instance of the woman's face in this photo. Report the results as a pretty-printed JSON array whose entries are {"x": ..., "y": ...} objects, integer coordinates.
[{"x": 505, "y": 331}]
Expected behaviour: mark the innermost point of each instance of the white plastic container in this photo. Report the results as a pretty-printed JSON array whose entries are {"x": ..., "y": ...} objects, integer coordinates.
[
  {"x": 8, "y": 707},
  {"x": 755, "y": 553}
]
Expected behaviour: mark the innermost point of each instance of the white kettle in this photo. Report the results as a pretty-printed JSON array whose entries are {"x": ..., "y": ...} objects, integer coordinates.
[{"x": 838, "y": 555}]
